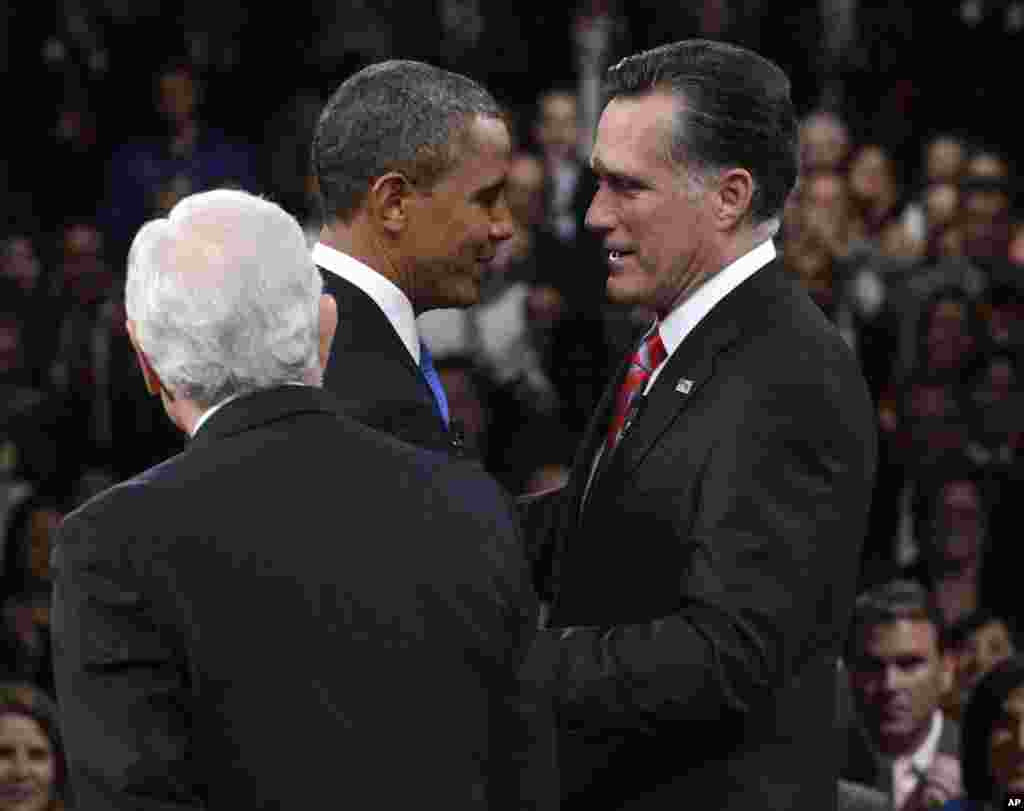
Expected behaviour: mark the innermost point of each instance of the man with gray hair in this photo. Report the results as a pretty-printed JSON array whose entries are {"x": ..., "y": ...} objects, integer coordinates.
[
  {"x": 411, "y": 163},
  {"x": 220, "y": 641}
]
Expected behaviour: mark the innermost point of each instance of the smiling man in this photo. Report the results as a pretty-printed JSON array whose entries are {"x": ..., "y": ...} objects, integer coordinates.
[
  {"x": 899, "y": 671},
  {"x": 699, "y": 566},
  {"x": 411, "y": 162}
]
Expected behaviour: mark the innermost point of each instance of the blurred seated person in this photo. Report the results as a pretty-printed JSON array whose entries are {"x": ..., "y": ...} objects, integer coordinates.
[
  {"x": 993, "y": 740},
  {"x": 901, "y": 743},
  {"x": 978, "y": 642},
  {"x": 33, "y": 769},
  {"x": 148, "y": 175}
]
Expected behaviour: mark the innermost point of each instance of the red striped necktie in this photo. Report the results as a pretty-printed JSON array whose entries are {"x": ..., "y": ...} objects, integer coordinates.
[{"x": 645, "y": 360}]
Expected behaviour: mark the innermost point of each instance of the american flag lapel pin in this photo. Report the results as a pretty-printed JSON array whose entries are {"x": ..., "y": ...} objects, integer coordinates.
[{"x": 684, "y": 386}]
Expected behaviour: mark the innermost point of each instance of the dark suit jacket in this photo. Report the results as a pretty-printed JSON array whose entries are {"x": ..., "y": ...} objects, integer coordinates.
[
  {"x": 373, "y": 375},
  {"x": 294, "y": 613},
  {"x": 862, "y": 766},
  {"x": 699, "y": 600}
]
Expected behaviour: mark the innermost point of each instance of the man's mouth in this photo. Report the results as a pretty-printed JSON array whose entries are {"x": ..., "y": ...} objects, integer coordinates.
[{"x": 616, "y": 255}]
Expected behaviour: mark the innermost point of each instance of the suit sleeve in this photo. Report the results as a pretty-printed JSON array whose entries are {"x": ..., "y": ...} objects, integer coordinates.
[
  {"x": 122, "y": 690},
  {"x": 781, "y": 511}
]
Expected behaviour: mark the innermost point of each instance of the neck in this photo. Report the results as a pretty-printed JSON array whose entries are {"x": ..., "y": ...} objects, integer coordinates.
[
  {"x": 356, "y": 240},
  {"x": 905, "y": 745}
]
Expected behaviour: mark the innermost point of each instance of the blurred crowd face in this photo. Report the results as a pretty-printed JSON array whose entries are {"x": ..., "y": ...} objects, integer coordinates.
[
  {"x": 557, "y": 129},
  {"x": 176, "y": 98},
  {"x": 824, "y": 143},
  {"x": 457, "y": 225},
  {"x": 872, "y": 178},
  {"x": 825, "y": 207},
  {"x": 941, "y": 203},
  {"x": 85, "y": 272},
  {"x": 897, "y": 680},
  {"x": 944, "y": 159},
  {"x": 983, "y": 649},
  {"x": 19, "y": 262},
  {"x": 987, "y": 165},
  {"x": 525, "y": 190},
  {"x": 1006, "y": 744},
  {"x": 655, "y": 227},
  {"x": 986, "y": 227},
  {"x": 27, "y": 765}
]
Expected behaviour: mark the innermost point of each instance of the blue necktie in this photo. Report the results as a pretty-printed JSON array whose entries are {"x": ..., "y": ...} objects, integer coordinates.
[{"x": 430, "y": 373}]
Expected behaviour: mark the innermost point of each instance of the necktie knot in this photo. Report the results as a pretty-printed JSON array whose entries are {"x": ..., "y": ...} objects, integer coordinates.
[{"x": 648, "y": 357}]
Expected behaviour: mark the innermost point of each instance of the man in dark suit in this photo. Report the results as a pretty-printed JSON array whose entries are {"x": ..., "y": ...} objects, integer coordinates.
[
  {"x": 411, "y": 163},
  {"x": 699, "y": 567},
  {"x": 222, "y": 641},
  {"x": 900, "y": 741}
]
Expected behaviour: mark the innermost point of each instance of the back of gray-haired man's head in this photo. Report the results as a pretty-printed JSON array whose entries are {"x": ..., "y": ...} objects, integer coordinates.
[
  {"x": 734, "y": 110},
  {"x": 224, "y": 296},
  {"x": 401, "y": 116}
]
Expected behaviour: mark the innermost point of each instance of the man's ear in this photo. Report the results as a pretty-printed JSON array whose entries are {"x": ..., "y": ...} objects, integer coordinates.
[
  {"x": 388, "y": 201},
  {"x": 732, "y": 198},
  {"x": 153, "y": 384},
  {"x": 328, "y": 326}
]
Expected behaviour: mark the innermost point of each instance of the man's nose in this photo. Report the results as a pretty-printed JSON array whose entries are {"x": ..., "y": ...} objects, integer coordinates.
[{"x": 600, "y": 216}]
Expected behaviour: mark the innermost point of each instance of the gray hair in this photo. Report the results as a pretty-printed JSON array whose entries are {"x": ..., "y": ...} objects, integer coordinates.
[
  {"x": 225, "y": 297},
  {"x": 400, "y": 116}
]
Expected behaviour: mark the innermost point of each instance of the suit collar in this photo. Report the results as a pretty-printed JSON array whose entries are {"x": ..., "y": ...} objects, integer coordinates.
[
  {"x": 390, "y": 298},
  {"x": 260, "y": 408}
]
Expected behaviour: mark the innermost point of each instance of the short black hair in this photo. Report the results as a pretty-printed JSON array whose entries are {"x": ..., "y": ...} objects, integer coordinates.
[
  {"x": 736, "y": 111},
  {"x": 891, "y": 602},
  {"x": 398, "y": 115}
]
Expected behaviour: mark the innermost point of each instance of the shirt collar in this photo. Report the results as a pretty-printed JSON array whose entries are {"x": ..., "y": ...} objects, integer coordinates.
[
  {"x": 386, "y": 294},
  {"x": 925, "y": 754},
  {"x": 211, "y": 411},
  {"x": 683, "y": 319}
]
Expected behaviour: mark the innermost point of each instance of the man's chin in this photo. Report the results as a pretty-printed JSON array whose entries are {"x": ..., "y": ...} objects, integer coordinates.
[{"x": 625, "y": 292}]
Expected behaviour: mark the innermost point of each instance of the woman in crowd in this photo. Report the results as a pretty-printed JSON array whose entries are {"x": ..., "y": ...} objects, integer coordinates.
[{"x": 33, "y": 773}]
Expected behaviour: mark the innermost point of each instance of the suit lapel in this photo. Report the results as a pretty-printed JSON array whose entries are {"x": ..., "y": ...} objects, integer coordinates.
[
  {"x": 597, "y": 430},
  {"x": 362, "y": 326},
  {"x": 686, "y": 372}
]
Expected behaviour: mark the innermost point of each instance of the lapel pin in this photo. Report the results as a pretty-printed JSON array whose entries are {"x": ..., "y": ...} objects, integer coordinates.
[{"x": 684, "y": 386}]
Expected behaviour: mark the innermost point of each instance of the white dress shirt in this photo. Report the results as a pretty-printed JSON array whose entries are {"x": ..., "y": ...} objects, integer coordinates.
[
  {"x": 684, "y": 319},
  {"x": 920, "y": 762},
  {"x": 386, "y": 294}
]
